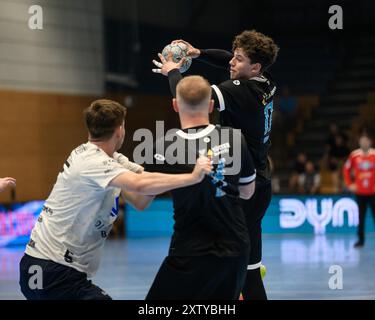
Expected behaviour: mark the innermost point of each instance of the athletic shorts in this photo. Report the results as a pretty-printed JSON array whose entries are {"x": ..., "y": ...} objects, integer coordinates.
[
  {"x": 56, "y": 282},
  {"x": 199, "y": 278}
]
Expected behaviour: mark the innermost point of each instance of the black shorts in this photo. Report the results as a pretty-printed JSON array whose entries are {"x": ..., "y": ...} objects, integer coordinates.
[
  {"x": 254, "y": 210},
  {"x": 199, "y": 278},
  {"x": 57, "y": 282}
]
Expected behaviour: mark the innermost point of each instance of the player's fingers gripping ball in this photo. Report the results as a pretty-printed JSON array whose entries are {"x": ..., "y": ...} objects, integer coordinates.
[{"x": 178, "y": 51}]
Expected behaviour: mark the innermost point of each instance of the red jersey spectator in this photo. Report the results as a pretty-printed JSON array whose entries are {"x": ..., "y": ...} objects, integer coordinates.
[{"x": 359, "y": 174}]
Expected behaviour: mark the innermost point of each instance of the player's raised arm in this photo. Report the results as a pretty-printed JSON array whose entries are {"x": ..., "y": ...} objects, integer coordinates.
[
  {"x": 138, "y": 201},
  {"x": 215, "y": 57},
  {"x": 171, "y": 69},
  {"x": 148, "y": 183}
]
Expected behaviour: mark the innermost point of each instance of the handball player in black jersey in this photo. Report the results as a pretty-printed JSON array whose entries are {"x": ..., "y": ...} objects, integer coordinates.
[
  {"x": 245, "y": 102},
  {"x": 209, "y": 248}
]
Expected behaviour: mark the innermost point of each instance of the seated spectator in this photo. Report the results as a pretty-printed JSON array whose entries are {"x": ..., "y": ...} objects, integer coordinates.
[
  {"x": 298, "y": 169},
  {"x": 309, "y": 181},
  {"x": 334, "y": 131}
]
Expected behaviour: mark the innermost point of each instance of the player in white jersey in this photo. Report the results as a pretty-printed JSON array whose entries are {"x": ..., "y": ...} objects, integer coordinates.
[
  {"x": 7, "y": 182},
  {"x": 66, "y": 242}
]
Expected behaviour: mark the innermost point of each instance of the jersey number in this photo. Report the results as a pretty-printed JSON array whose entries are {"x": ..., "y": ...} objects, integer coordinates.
[
  {"x": 68, "y": 256},
  {"x": 268, "y": 109}
]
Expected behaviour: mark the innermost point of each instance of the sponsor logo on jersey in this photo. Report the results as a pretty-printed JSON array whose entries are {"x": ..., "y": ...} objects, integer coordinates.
[
  {"x": 221, "y": 149},
  {"x": 365, "y": 165},
  {"x": 159, "y": 157},
  {"x": 268, "y": 96},
  {"x": 115, "y": 208},
  {"x": 47, "y": 210},
  {"x": 99, "y": 224},
  {"x": 80, "y": 149},
  {"x": 218, "y": 178}
]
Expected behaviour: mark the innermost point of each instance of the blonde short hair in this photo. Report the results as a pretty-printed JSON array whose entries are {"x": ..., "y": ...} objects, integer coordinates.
[{"x": 193, "y": 91}]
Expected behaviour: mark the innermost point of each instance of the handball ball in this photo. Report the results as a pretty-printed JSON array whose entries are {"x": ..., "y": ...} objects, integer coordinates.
[{"x": 179, "y": 50}]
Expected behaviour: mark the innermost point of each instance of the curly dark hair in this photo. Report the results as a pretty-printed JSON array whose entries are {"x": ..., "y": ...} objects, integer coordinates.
[{"x": 258, "y": 47}]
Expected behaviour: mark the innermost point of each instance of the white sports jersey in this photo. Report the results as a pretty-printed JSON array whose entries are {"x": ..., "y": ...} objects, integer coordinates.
[{"x": 78, "y": 214}]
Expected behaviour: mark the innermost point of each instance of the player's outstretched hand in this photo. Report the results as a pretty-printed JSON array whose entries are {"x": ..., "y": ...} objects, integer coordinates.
[
  {"x": 7, "y": 182},
  {"x": 166, "y": 65},
  {"x": 191, "y": 51},
  {"x": 202, "y": 167}
]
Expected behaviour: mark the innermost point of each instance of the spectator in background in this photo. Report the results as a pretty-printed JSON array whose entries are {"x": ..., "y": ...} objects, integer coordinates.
[
  {"x": 287, "y": 116},
  {"x": 309, "y": 181},
  {"x": 359, "y": 174},
  {"x": 287, "y": 104},
  {"x": 7, "y": 182},
  {"x": 298, "y": 169},
  {"x": 337, "y": 155},
  {"x": 334, "y": 131}
]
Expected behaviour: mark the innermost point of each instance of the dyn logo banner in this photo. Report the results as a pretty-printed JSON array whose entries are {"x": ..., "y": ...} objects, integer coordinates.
[{"x": 318, "y": 213}]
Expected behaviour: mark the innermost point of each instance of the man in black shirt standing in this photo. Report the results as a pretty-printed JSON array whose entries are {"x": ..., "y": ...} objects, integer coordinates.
[
  {"x": 245, "y": 102},
  {"x": 209, "y": 248}
]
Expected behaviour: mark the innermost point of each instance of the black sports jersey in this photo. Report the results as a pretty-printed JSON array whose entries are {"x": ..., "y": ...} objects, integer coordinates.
[
  {"x": 245, "y": 104},
  {"x": 208, "y": 215}
]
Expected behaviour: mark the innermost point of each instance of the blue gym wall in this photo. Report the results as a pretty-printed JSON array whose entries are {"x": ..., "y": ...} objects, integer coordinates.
[{"x": 157, "y": 220}]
